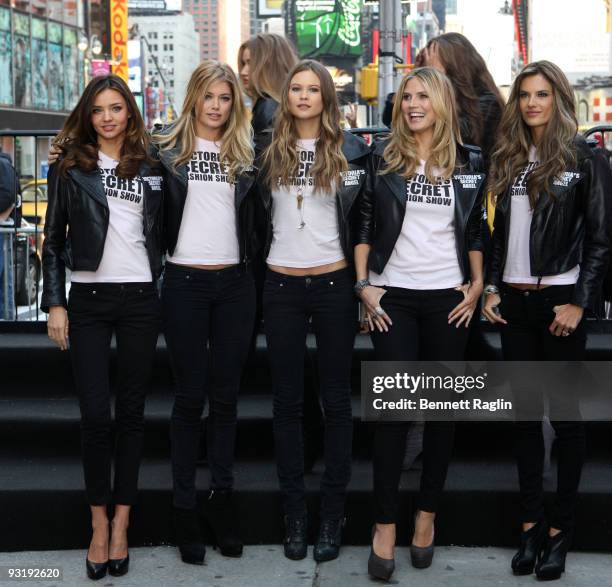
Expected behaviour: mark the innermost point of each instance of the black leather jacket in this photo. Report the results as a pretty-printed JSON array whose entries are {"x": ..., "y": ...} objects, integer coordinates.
[
  {"x": 176, "y": 195},
  {"x": 262, "y": 118},
  {"x": 384, "y": 207},
  {"x": 348, "y": 196},
  {"x": 572, "y": 229},
  {"x": 76, "y": 224}
]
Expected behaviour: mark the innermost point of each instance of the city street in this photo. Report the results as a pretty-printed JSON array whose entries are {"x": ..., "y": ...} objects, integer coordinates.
[{"x": 265, "y": 566}]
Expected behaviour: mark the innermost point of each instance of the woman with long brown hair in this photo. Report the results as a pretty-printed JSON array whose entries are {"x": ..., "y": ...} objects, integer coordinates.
[
  {"x": 419, "y": 270},
  {"x": 550, "y": 251},
  {"x": 103, "y": 223},
  {"x": 263, "y": 64},
  {"x": 312, "y": 176},
  {"x": 479, "y": 102},
  {"x": 208, "y": 294}
]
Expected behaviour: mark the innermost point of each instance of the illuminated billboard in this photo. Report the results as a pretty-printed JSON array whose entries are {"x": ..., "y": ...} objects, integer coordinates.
[{"x": 327, "y": 27}]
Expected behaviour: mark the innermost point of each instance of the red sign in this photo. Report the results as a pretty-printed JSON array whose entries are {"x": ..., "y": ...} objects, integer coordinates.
[{"x": 119, "y": 36}]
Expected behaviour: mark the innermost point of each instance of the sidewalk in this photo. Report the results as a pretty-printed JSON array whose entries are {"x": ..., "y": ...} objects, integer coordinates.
[{"x": 265, "y": 566}]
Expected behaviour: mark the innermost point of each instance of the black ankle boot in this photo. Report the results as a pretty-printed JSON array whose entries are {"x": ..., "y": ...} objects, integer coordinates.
[
  {"x": 220, "y": 513},
  {"x": 532, "y": 540},
  {"x": 295, "y": 542},
  {"x": 552, "y": 563},
  {"x": 188, "y": 536},
  {"x": 328, "y": 543}
]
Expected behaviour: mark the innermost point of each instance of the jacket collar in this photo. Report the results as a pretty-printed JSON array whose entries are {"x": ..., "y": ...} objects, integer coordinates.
[
  {"x": 91, "y": 182},
  {"x": 167, "y": 157},
  {"x": 354, "y": 147}
]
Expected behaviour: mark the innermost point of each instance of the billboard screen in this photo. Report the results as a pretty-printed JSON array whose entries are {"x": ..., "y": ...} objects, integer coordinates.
[{"x": 327, "y": 27}]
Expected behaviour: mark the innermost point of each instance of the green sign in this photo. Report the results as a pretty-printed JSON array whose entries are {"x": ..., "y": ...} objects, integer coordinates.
[{"x": 328, "y": 27}]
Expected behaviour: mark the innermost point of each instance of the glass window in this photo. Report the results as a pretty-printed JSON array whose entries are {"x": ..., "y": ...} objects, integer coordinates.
[
  {"x": 21, "y": 67},
  {"x": 71, "y": 68},
  {"x": 5, "y": 20},
  {"x": 40, "y": 96},
  {"x": 56, "y": 74},
  {"x": 21, "y": 24},
  {"x": 6, "y": 88}
]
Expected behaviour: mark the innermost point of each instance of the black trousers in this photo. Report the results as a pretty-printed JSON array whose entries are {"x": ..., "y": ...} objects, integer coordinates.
[
  {"x": 208, "y": 323},
  {"x": 420, "y": 331},
  {"x": 95, "y": 311},
  {"x": 288, "y": 305},
  {"x": 526, "y": 337}
]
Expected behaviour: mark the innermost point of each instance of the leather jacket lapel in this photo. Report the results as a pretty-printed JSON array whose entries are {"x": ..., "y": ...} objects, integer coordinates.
[
  {"x": 166, "y": 158},
  {"x": 466, "y": 187},
  {"x": 91, "y": 182},
  {"x": 243, "y": 184},
  {"x": 397, "y": 184}
]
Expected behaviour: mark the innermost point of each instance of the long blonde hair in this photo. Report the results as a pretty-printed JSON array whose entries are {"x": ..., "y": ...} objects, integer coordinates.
[
  {"x": 272, "y": 57},
  {"x": 556, "y": 151},
  {"x": 281, "y": 158},
  {"x": 401, "y": 152},
  {"x": 236, "y": 142}
]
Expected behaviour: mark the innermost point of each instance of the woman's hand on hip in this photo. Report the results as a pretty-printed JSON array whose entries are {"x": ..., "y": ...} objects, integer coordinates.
[
  {"x": 375, "y": 315},
  {"x": 491, "y": 311},
  {"x": 57, "y": 326},
  {"x": 567, "y": 318},
  {"x": 464, "y": 310}
]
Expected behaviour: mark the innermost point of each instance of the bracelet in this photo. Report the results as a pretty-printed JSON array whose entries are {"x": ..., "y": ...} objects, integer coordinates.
[
  {"x": 360, "y": 285},
  {"x": 491, "y": 289}
]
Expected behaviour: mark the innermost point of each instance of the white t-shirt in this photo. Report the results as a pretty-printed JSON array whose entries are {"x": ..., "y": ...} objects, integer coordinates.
[
  {"x": 518, "y": 267},
  {"x": 208, "y": 232},
  {"x": 124, "y": 259},
  {"x": 425, "y": 253},
  {"x": 318, "y": 241}
]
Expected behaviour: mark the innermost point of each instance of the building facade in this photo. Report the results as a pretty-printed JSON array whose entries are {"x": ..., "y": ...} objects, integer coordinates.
[
  {"x": 41, "y": 67},
  {"x": 170, "y": 52}
]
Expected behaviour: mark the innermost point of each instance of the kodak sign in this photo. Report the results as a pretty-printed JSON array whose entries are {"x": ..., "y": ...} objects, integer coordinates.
[{"x": 119, "y": 36}]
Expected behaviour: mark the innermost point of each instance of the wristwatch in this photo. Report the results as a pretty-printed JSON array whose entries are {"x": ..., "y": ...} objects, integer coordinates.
[
  {"x": 360, "y": 285},
  {"x": 491, "y": 289}
]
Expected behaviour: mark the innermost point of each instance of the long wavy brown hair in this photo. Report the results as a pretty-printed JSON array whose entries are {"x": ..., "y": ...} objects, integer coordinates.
[
  {"x": 272, "y": 58},
  {"x": 556, "y": 151},
  {"x": 78, "y": 141},
  {"x": 236, "y": 142},
  {"x": 468, "y": 73},
  {"x": 401, "y": 154},
  {"x": 281, "y": 159}
]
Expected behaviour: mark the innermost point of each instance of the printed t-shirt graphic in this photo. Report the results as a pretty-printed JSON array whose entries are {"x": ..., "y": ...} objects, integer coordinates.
[
  {"x": 207, "y": 235},
  {"x": 125, "y": 257},
  {"x": 425, "y": 254},
  {"x": 318, "y": 241},
  {"x": 518, "y": 265}
]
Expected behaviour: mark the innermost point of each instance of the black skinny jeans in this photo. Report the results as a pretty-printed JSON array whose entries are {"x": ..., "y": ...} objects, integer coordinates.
[
  {"x": 420, "y": 331},
  {"x": 95, "y": 311},
  {"x": 288, "y": 305},
  {"x": 208, "y": 323},
  {"x": 524, "y": 338}
]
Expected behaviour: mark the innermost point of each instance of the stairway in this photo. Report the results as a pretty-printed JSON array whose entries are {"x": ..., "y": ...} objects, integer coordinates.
[{"x": 42, "y": 501}]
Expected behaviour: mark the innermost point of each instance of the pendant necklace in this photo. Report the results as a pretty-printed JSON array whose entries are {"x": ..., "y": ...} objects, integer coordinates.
[{"x": 300, "y": 207}]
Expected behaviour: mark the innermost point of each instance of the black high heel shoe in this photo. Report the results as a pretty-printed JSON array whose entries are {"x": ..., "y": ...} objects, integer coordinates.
[
  {"x": 189, "y": 536},
  {"x": 96, "y": 571},
  {"x": 421, "y": 556},
  {"x": 378, "y": 567},
  {"x": 532, "y": 540},
  {"x": 220, "y": 514},
  {"x": 118, "y": 567},
  {"x": 552, "y": 563}
]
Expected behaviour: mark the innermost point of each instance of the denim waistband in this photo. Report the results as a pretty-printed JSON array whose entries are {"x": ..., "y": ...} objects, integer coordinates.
[
  {"x": 544, "y": 291},
  {"x": 107, "y": 286},
  {"x": 184, "y": 270},
  {"x": 344, "y": 273}
]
